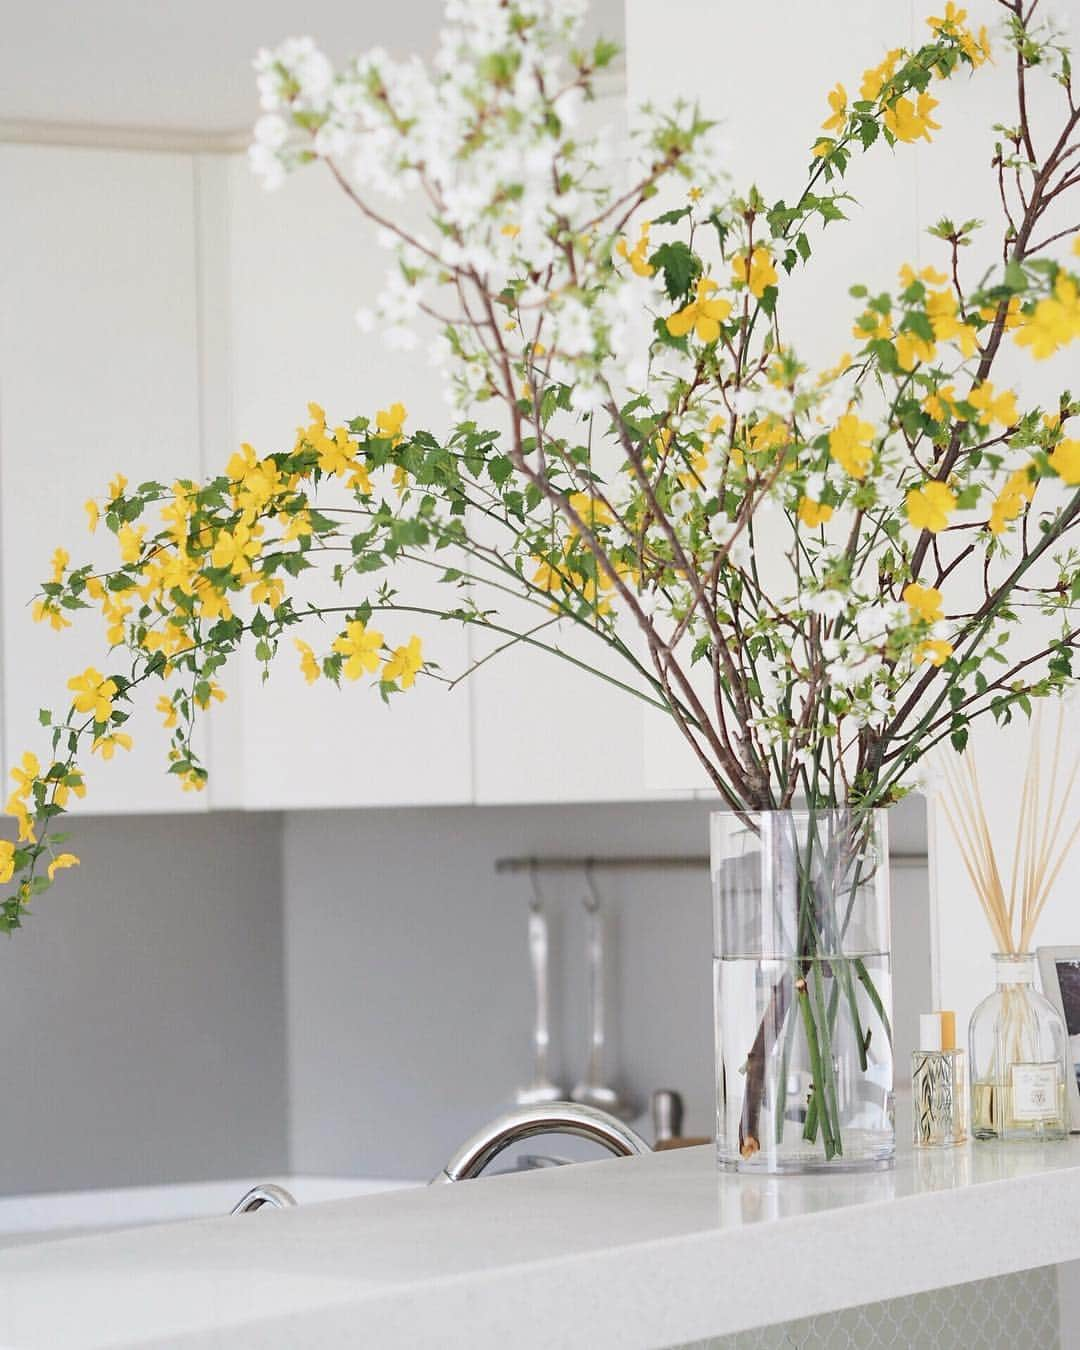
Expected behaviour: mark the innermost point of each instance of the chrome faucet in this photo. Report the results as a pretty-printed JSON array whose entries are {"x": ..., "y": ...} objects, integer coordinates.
[
  {"x": 277, "y": 1197},
  {"x": 526, "y": 1121}
]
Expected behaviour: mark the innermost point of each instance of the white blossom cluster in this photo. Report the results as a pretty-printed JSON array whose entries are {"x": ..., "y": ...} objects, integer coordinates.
[{"x": 519, "y": 197}]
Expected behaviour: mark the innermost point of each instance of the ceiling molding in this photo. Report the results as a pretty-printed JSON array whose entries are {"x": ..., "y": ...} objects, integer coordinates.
[
  {"x": 608, "y": 84},
  {"x": 88, "y": 136}
]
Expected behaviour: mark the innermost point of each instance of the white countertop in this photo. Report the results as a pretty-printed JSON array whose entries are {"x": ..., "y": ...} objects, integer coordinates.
[{"x": 631, "y": 1252}]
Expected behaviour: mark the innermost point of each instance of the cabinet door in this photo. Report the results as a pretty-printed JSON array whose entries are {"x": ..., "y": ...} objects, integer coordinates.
[
  {"x": 302, "y": 261},
  {"x": 98, "y": 375}
]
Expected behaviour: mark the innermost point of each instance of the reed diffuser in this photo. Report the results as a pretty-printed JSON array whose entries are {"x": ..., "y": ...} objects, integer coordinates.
[{"x": 1017, "y": 1039}]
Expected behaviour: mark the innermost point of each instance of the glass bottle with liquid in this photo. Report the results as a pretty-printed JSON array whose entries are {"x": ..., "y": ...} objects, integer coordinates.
[{"x": 1018, "y": 1058}]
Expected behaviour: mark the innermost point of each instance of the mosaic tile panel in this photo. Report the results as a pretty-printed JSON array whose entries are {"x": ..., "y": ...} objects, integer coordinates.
[{"x": 1012, "y": 1312}]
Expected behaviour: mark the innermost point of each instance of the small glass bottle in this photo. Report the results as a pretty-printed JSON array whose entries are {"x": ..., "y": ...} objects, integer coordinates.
[
  {"x": 1019, "y": 1058},
  {"x": 938, "y": 1084}
]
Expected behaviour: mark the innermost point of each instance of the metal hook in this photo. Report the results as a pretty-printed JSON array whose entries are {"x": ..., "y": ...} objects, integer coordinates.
[{"x": 592, "y": 901}]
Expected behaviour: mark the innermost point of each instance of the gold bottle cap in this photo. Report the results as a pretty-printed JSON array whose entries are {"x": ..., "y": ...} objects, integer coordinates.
[{"x": 948, "y": 1030}]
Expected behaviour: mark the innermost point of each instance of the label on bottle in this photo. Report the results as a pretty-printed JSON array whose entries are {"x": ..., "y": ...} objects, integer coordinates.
[{"x": 1035, "y": 1091}]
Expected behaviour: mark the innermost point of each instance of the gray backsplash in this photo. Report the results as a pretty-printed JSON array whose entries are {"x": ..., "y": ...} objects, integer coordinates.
[{"x": 347, "y": 992}]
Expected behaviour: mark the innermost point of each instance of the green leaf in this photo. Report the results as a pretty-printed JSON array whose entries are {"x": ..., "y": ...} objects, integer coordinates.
[{"x": 679, "y": 266}]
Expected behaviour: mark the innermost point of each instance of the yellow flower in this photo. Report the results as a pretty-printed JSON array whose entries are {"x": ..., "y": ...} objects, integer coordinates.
[
  {"x": 93, "y": 514},
  {"x": 268, "y": 590},
  {"x": 590, "y": 509},
  {"x": 941, "y": 404},
  {"x": 638, "y": 256},
  {"x": 309, "y": 667},
  {"x": 510, "y": 230},
  {"x": 63, "y": 790},
  {"x": 115, "y": 612},
  {"x": 26, "y": 774},
  {"x": 702, "y": 315},
  {"x": 1000, "y": 408},
  {"x": 212, "y": 693},
  {"x": 850, "y": 444},
  {"x": 167, "y": 708},
  {"x": 1076, "y": 245},
  {"x": 390, "y": 422},
  {"x": 236, "y": 548},
  {"x": 762, "y": 272},
  {"x": 404, "y": 664},
  {"x": 546, "y": 577},
  {"x": 929, "y": 507},
  {"x": 814, "y": 513},
  {"x": 1065, "y": 461},
  {"x": 116, "y": 487},
  {"x": 130, "y": 541},
  {"x": 60, "y": 560},
  {"x": 337, "y": 453},
  {"x": 952, "y": 20},
  {"x": 93, "y": 693},
  {"x": 17, "y": 807},
  {"x": 838, "y": 103},
  {"x": 360, "y": 646},
  {"x": 1055, "y": 321},
  {"x": 60, "y": 861},
  {"x": 360, "y": 480},
  {"x": 1018, "y": 490},
  {"x": 909, "y": 121},
  {"x": 7, "y": 860},
  {"x": 297, "y": 524},
  {"x": 1013, "y": 317},
  {"x": 908, "y": 276},
  {"x": 911, "y": 349},
  {"x": 876, "y": 77},
  {"x": 49, "y": 609},
  {"x": 934, "y": 650},
  {"x": 872, "y": 325},
  {"x": 924, "y": 602},
  {"x": 106, "y": 745},
  {"x": 942, "y": 310}
]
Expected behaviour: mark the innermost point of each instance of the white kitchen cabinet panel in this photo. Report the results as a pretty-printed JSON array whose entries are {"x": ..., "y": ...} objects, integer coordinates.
[
  {"x": 548, "y": 731},
  {"x": 302, "y": 261},
  {"x": 98, "y": 375}
]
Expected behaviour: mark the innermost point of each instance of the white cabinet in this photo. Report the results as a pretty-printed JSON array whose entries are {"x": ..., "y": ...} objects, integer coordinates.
[
  {"x": 98, "y": 375},
  {"x": 302, "y": 260}
]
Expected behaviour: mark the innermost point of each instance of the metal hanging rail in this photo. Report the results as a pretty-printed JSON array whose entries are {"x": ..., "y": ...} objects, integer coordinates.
[
  {"x": 556, "y": 863},
  {"x": 644, "y": 862}
]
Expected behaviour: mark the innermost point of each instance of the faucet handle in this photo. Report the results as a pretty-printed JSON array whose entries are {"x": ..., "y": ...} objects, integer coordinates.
[
  {"x": 277, "y": 1197},
  {"x": 556, "y": 1118}
]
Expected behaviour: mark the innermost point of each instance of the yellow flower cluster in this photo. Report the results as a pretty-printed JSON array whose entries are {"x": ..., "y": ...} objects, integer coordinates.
[
  {"x": 1011, "y": 500},
  {"x": 1055, "y": 321},
  {"x": 638, "y": 256},
  {"x": 361, "y": 647},
  {"x": 851, "y": 444}
]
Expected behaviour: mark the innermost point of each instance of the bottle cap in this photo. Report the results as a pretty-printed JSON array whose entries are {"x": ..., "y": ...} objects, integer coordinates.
[
  {"x": 930, "y": 1031},
  {"x": 948, "y": 1030}
]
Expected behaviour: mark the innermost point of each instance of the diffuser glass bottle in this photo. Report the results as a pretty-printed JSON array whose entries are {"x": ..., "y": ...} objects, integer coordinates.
[{"x": 1019, "y": 1060}]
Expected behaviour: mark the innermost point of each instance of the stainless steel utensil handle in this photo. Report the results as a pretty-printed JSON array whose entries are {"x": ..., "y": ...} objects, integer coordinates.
[
  {"x": 538, "y": 956},
  {"x": 594, "y": 947},
  {"x": 560, "y": 1118}
]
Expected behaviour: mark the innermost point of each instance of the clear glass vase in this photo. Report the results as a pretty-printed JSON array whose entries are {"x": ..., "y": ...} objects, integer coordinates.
[
  {"x": 803, "y": 990},
  {"x": 1019, "y": 1058}
]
